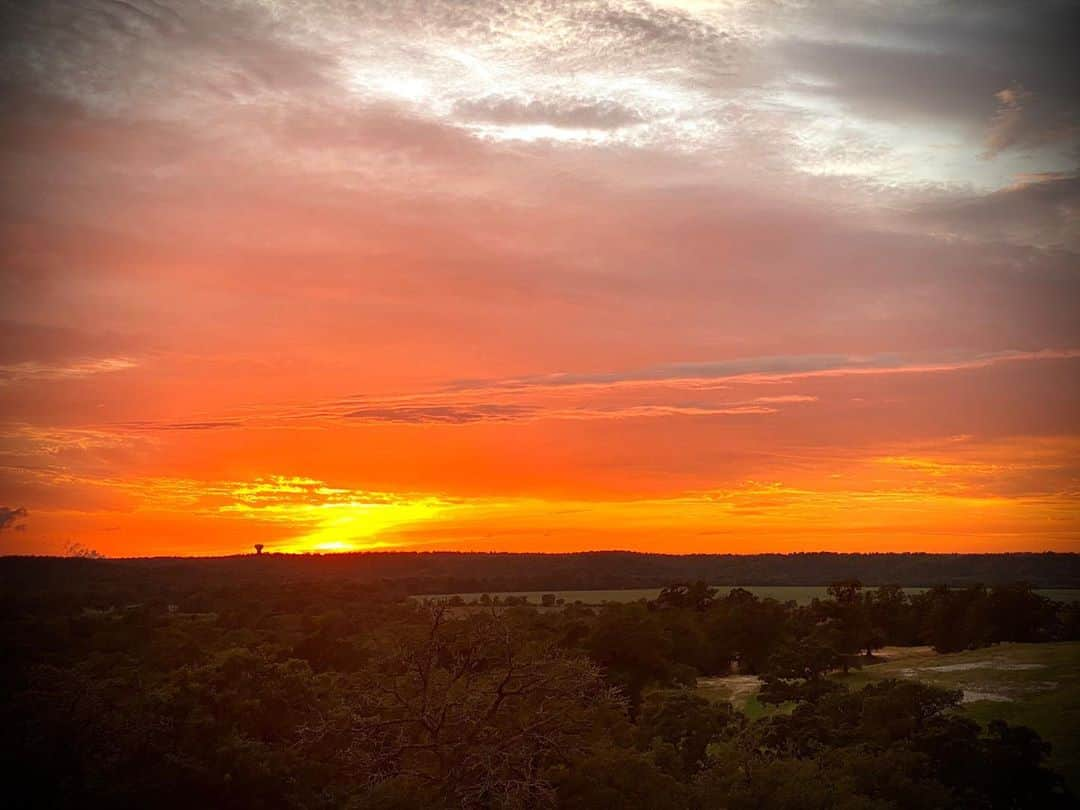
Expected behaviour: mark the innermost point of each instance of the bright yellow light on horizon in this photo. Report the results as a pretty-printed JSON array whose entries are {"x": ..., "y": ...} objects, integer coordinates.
[
  {"x": 356, "y": 526},
  {"x": 902, "y": 501},
  {"x": 325, "y": 519},
  {"x": 329, "y": 519}
]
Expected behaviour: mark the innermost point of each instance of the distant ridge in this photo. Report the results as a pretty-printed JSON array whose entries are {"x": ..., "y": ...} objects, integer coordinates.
[{"x": 470, "y": 572}]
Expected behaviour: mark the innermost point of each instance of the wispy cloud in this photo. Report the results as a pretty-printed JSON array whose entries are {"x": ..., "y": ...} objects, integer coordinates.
[
  {"x": 651, "y": 392},
  {"x": 774, "y": 369},
  {"x": 31, "y": 371}
]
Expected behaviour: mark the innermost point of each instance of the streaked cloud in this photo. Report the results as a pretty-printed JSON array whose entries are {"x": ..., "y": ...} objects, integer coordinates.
[
  {"x": 778, "y": 369},
  {"x": 31, "y": 371}
]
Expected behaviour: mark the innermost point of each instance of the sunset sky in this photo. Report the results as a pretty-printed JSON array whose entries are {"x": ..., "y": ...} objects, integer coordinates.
[{"x": 679, "y": 276}]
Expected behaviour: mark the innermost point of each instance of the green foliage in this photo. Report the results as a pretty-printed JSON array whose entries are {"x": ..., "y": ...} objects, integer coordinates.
[
  {"x": 1036, "y": 685},
  {"x": 629, "y": 642},
  {"x": 686, "y": 725},
  {"x": 280, "y": 695},
  {"x": 619, "y": 779}
]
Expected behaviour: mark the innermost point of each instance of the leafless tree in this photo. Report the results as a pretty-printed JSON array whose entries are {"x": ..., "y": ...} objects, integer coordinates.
[{"x": 477, "y": 715}]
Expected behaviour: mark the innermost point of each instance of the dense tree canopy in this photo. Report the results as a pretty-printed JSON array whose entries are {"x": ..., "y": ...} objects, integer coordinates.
[{"x": 282, "y": 695}]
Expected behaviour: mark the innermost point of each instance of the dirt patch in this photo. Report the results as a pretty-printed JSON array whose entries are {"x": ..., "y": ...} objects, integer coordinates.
[
  {"x": 975, "y": 695},
  {"x": 739, "y": 688},
  {"x": 889, "y": 653},
  {"x": 1006, "y": 666}
]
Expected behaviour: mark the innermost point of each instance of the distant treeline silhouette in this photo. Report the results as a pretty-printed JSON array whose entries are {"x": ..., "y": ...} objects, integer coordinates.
[{"x": 463, "y": 572}]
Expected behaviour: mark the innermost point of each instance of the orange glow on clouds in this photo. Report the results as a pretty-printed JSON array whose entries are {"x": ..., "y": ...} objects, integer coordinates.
[
  {"x": 886, "y": 503},
  {"x": 674, "y": 276}
]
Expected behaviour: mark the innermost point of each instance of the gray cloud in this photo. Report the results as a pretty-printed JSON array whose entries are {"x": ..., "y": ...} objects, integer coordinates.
[
  {"x": 779, "y": 367},
  {"x": 121, "y": 56},
  {"x": 694, "y": 80},
  {"x": 215, "y": 424},
  {"x": 468, "y": 414},
  {"x": 438, "y": 414},
  {"x": 1042, "y": 210},
  {"x": 12, "y": 517},
  {"x": 955, "y": 65},
  {"x": 1007, "y": 125}
]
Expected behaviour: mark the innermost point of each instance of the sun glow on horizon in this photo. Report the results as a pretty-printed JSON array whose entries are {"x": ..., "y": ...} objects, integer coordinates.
[
  {"x": 894, "y": 499},
  {"x": 328, "y": 518}
]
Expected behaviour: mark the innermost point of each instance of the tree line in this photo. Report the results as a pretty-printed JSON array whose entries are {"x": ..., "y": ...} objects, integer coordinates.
[{"x": 439, "y": 572}]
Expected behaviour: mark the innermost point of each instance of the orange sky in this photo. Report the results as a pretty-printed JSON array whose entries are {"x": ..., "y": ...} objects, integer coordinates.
[{"x": 676, "y": 276}]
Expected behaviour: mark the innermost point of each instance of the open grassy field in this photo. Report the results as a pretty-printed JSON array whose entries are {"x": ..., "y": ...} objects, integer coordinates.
[
  {"x": 1035, "y": 685},
  {"x": 802, "y": 594}
]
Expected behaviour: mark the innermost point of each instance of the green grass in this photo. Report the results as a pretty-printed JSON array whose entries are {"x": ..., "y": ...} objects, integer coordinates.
[
  {"x": 802, "y": 594},
  {"x": 741, "y": 692},
  {"x": 754, "y": 708},
  {"x": 1035, "y": 685}
]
